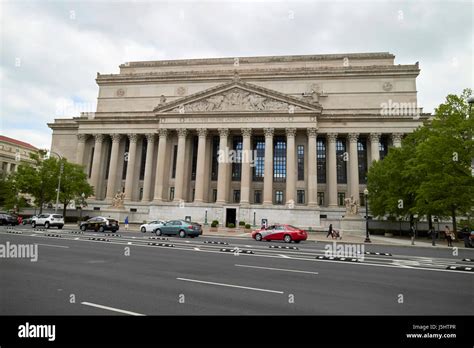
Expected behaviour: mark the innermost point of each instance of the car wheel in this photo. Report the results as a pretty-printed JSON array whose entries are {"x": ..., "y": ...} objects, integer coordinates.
[
  {"x": 33, "y": 224},
  {"x": 83, "y": 228},
  {"x": 258, "y": 237},
  {"x": 158, "y": 232},
  {"x": 287, "y": 238},
  {"x": 101, "y": 229},
  {"x": 60, "y": 227},
  {"x": 46, "y": 225},
  {"x": 143, "y": 229},
  {"x": 182, "y": 234},
  {"x": 297, "y": 241}
]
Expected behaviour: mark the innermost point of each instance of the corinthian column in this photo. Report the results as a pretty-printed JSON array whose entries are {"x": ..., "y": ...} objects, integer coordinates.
[
  {"x": 96, "y": 162},
  {"x": 160, "y": 165},
  {"x": 332, "y": 169},
  {"x": 222, "y": 171},
  {"x": 312, "y": 168},
  {"x": 290, "y": 166},
  {"x": 374, "y": 147},
  {"x": 354, "y": 165},
  {"x": 130, "y": 180},
  {"x": 81, "y": 143},
  {"x": 268, "y": 170},
  {"x": 200, "y": 166},
  {"x": 113, "y": 172},
  {"x": 179, "y": 181},
  {"x": 150, "y": 138},
  {"x": 397, "y": 139},
  {"x": 246, "y": 156}
]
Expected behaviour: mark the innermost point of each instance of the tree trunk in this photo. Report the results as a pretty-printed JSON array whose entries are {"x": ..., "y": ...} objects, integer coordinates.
[
  {"x": 64, "y": 211},
  {"x": 453, "y": 215},
  {"x": 430, "y": 222}
]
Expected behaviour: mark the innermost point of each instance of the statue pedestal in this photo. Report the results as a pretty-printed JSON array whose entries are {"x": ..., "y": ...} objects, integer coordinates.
[{"x": 353, "y": 223}]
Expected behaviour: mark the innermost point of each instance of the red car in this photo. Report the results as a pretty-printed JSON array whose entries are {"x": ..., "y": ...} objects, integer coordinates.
[{"x": 284, "y": 232}]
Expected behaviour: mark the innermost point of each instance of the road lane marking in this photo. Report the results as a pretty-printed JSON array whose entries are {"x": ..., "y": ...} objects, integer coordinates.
[
  {"x": 277, "y": 269},
  {"x": 56, "y": 246},
  {"x": 284, "y": 256},
  {"x": 111, "y": 309},
  {"x": 230, "y": 285},
  {"x": 197, "y": 249}
]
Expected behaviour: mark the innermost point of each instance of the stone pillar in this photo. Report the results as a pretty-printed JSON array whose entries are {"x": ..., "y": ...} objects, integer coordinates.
[
  {"x": 160, "y": 165},
  {"x": 331, "y": 169},
  {"x": 397, "y": 139},
  {"x": 81, "y": 144},
  {"x": 290, "y": 166},
  {"x": 353, "y": 166},
  {"x": 268, "y": 171},
  {"x": 96, "y": 162},
  {"x": 374, "y": 147},
  {"x": 246, "y": 169},
  {"x": 200, "y": 166},
  {"x": 222, "y": 171},
  {"x": 113, "y": 172},
  {"x": 150, "y": 138},
  {"x": 312, "y": 168},
  {"x": 130, "y": 180},
  {"x": 180, "y": 158}
]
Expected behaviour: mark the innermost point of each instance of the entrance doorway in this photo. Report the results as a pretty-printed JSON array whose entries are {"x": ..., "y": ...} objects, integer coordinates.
[{"x": 230, "y": 216}]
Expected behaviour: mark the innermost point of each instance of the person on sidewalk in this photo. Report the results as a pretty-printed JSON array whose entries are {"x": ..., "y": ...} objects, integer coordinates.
[
  {"x": 449, "y": 236},
  {"x": 126, "y": 223},
  {"x": 412, "y": 234},
  {"x": 433, "y": 236},
  {"x": 329, "y": 231}
]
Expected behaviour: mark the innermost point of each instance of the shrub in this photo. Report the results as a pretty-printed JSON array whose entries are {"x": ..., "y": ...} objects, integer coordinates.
[
  {"x": 214, "y": 224},
  {"x": 231, "y": 225},
  {"x": 241, "y": 223},
  {"x": 247, "y": 226}
]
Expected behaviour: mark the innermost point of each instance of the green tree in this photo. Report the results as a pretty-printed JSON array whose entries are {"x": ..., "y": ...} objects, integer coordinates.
[{"x": 10, "y": 197}]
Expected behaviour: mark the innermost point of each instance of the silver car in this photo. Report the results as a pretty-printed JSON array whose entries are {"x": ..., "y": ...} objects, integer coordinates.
[{"x": 151, "y": 226}]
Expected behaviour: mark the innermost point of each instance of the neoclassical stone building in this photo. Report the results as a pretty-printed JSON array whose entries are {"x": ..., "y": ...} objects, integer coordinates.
[{"x": 312, "y": 125}]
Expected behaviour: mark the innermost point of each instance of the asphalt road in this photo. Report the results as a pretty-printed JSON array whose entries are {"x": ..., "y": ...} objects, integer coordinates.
[{"x": 76, "y": 275}]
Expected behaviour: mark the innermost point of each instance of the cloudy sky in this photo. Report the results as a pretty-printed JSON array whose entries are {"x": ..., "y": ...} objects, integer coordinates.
[{"x": 51, "y": 51}]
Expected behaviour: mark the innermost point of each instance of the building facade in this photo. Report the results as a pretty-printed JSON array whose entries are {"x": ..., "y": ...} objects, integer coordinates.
[
  {"x": 285, "y": 138},
  {"x": 13, "y": 153}
]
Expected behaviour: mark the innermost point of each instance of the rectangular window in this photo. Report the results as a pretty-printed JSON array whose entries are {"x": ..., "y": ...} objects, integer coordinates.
[
  {"x": 257, "y": 197},
  {"x": 341, "y": 196},
  {"x": 125, "y": 159},
  {"x": 91, "y": 161},
  {"x": 194, "y": 162},
  {"x": 175, "y": 156},
  {"x": 278, "y": 197},
  {"x": 300, "y": 199},
  {"x": 215, "y": 164},
  {"x": 107, "y": 162},
  {"x": 362, "y": 199},
  {"x": 171, "y": 193},
  {"x": 143, "y": 158},
  {"x": 140, "y": 194},
  {"x": 236, "y": 196},
  {"x": 383, "y": 148},
  {"x": 279, "y": 159},
  {"x": 214, "y": 195},
  {"x": 237, "y": 160},
  {"x": 259, "y": 168},
  {"x": 321, "y": 199},
  {"x": 342, "y": 157},
  {"x": 300, "y": 159},
  {"x": 194, "y": 193},
  {"x": 321, "y": 160},
  {"x": 362, "y": 160}
]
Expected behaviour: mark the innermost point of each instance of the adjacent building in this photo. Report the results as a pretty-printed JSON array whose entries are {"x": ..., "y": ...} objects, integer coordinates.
[
  {"x": 285, "y": 138},
  {"x": 14, "y": 153}
]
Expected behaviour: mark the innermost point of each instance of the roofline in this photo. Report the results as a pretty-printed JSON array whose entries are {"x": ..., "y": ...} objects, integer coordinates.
[{"x": 17, "y": 142}]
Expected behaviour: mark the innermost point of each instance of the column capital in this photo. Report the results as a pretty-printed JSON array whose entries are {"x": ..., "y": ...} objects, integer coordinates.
[
  {"x": 246, "y": 132},
  {"x": 268, "y": 132},
  {"x": 312, "y": 132},
  {"x": 290, "y": 132},
  {"x": 223, "y": 132},
  {"x": 163, "y": 132},
  {"x": 82, "y": 137},
  {"x": 116, "y": 137},
  {"x": 202, "y": 132},
  {"x": 353, "y": 137},
  {"x": 397, "y": 137},
  {"x": 375, "y": 137},
  {"x": 331, "y": 137},
  {"x": 150, "y": 137},
  {"x": 133, "y": 137},
  {"x": 182, "y": 132},
  {"x": 99, "y": 138}
]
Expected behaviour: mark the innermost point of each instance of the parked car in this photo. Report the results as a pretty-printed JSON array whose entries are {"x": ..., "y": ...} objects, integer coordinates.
[
  {"x": 48, "y": 220},
  {"x": 180, "y": 228},
  {"x": 7, "y": 219},
  {"x": 101, "y": 224},
  {"x": 27, "y": 221},
  {"x": 151, "y": 226},
  {"x": 287, "y": 233}
]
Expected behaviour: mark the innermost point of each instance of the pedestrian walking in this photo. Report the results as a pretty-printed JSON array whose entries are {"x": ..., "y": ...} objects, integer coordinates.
[
  {"x": 433, "y": 236},
  {"x": 126, "y": 223},
  {"x": 449, "y": 236},
  {"x": 329, "y": 231},
  {"x": 412, "y": 234}
]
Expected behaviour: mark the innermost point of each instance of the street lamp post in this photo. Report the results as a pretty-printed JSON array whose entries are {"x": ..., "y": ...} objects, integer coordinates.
[
  {"x": 205, "y": 218},
  {"x": 61, "y": 168},
  {"x": 82, "y": 207},
  {"x": 367, "y": 237},
  {"x": 254, "y": 222}
]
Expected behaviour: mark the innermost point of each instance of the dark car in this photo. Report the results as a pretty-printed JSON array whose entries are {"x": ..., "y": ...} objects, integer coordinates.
[
  {"x": 100, "y": 224},
  {"x": 180, "y": 228},
  {"x": 7, "y": 219}
]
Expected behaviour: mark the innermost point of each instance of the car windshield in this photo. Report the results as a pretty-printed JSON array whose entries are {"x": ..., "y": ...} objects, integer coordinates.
[{"x": 290, "y": 227}]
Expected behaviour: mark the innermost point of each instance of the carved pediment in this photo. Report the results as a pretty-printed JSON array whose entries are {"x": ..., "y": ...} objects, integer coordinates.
[{"x": 237, "y": 97}]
